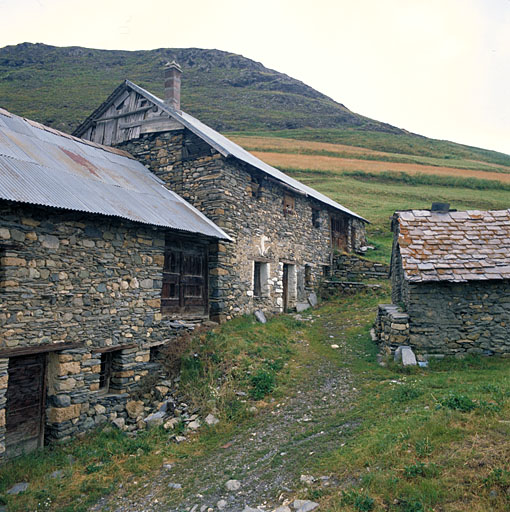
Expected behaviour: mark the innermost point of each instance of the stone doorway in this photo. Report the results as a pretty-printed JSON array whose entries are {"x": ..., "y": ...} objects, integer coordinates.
[{"x": 25, "y": 404}]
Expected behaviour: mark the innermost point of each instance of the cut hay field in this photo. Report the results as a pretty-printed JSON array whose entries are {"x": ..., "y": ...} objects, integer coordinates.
[{"x": 367, "y": 181}]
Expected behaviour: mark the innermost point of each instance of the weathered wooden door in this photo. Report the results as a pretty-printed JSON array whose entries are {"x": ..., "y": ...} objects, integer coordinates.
[
  {"x": 285, "y": 287},
  {"x": 25, "y": 404},
  {"x": 339, "y": 231}
]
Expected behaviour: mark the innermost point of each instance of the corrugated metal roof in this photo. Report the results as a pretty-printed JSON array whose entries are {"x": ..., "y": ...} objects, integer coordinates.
[
  {"x": 41, "y": 166},
  {"x": 219, "y": 142},
  {"x": 455, "y": 246}
]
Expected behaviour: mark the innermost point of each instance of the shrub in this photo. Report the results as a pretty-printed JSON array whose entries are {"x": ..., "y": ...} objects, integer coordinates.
[
  {"x": 360, "y": 501},
  {"x": 263, "y": 382},
  {"x": 406, "y": 393},
  {"x": 457, "y": 402}
]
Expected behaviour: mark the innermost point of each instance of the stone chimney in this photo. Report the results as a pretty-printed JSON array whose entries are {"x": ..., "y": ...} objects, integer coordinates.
[
  {"x": 173, "y": 74},
  {"x": 440, "y": 207}
]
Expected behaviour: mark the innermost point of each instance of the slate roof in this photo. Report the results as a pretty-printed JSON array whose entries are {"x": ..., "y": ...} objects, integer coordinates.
[
  {"x": 454, "y": 246},
  {"x": 219, "y": 142},
  {"x": 42, "y": 166}
]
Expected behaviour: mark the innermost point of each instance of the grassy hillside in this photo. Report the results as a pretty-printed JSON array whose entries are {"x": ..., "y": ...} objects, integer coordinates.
[{"x": 61, "y": 86}]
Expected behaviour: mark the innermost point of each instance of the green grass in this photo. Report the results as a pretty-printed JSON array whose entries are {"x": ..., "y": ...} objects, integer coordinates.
[{"x": 429, "y": 439}]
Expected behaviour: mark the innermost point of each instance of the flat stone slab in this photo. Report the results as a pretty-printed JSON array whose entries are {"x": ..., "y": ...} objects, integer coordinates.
[
  {"x": 18, "y": 488},
  {"x": 260, "y": 317},
  {"x": 408, "y": 357},
  {"x": 312, "y": 299},
  {"x": 302, "y": 306}
]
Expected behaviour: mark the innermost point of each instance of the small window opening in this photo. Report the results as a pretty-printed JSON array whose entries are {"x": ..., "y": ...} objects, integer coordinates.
[
  {"x": 289, "y": 204},
  {"x": 326, "y": 271},
  {"x": 255, "y": 187},
  {"x": 105, "y": 375},
  {"x": 308, "y": 276},
  {"x": 316, "y": 221},
  {"x": 257, "y": 282},
  {"x": 155, "y": 354}
]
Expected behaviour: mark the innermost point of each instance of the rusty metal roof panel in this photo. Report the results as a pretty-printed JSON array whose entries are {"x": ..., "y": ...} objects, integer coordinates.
[
  {"x": 228, "y": 148},
  {"x": 44, "y": 167},
  {"x": 454, "y": 246}
]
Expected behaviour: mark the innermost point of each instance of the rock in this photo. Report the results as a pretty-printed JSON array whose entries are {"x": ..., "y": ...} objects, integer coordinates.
[
  {"x": 260, "y": 317},
  {"x": 312, "y": 299},
  {"x": 211, "y": 420},
  {"x": 134, "y": 408},
  {"x": 168, "y": 466},
  {"x": 59, "y": 473},
  {"x": 334, "y": 346},
  {"x": 155, "y": 419},
  {"x": 194, "y": 425},
  {"x": 180, "y": 439},
  {"x": 283, "y": 508},
  {"x": 18, "y": 488},
  {"x": 172, "y": 485},
  {"x": 250, "y": 509},
  {"x": 302, "y": 306},
  {"x": 167, "y": 406},
  {"x": 221, "y": 504},
  {"x": 120, "y": 423},
  {"x": 162, "y": 390},
  {"x": 304, "y": 505},
  {"x": 171, "y": 423},
  {"x": 233, "y": 485},
  {"x": 100, "y": 409},
  {"x": 307, "y": 479},
  {"x": 408, "y": 357}
]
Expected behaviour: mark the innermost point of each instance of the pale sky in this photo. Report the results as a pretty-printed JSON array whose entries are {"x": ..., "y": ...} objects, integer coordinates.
[{"x": 440, "y": 68}]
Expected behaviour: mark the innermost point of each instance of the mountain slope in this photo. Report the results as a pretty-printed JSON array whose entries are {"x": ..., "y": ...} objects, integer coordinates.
[{"x": 61, "y": 86}]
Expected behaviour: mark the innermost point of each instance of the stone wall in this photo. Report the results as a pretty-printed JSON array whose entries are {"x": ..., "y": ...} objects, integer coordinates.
[
  {"x": 350, "y": 267},
  {"x": 458, "y": 318},
  {"x": 391, "y": 326},
  {"x": 332, "y": 288},
  {"x": 248, "y": 205},
  {"x": 88, "y": 280}
]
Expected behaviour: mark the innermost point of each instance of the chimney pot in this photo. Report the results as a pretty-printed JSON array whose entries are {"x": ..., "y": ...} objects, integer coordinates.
[
  {"x": 440, "y": 207},
  {"x": 173, "y": 74}
]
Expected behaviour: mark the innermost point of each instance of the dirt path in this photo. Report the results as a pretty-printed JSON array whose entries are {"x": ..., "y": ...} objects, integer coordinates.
[{"x": 268, "y": 457}]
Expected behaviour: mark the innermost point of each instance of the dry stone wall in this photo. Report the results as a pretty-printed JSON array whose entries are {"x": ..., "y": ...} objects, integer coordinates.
[
  {"x": 248, "y": 205},
  {"x": 87, "y": 280},
  {"x": 460, "y": 318}
]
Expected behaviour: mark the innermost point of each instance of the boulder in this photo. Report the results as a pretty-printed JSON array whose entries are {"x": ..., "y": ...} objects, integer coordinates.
[
  {"x": 260, "y": 317},
  {"x": 233, "y": 485},
  {"x": 312, "y": 299},
  {"x": 155, "y": 419},
  {"x": 211, "y": 420},
  {"x": 134, "y": 408}
]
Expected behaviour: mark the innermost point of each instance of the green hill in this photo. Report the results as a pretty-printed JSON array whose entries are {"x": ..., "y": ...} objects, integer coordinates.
[{"x": 61, "y": 86}]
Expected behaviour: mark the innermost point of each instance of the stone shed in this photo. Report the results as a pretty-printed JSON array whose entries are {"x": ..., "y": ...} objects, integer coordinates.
[
  {"x": 98, "y": 263},
  {"x": 283, "y": 232},
  {"x": 450, "y": 274}
]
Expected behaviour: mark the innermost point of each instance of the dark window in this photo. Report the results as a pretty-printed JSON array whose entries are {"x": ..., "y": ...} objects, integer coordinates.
[
  {"x": 256, "y": 188},
  {"x": 308, "y": 276},
  {"x": 316, "y": 221},
  {"x": 326, "y": 271},
  {"x": 155, "y": 353},
  {"x": 289, "y": 204},
  {"x": 257, "y": 285},
  {"x": 184, "y": 280},
  {"x": 105, "y": 375}
]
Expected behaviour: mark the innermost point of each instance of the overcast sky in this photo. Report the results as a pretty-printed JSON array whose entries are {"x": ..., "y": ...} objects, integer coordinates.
[{"x": 440, "y": 68}]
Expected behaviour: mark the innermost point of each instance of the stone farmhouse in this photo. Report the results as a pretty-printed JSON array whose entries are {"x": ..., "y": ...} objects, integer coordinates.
[
  {"x": 450, "y": 273},
  {"x": 97, "y": 260},
  {"x": 110, "y": 243},
  {"x": 283, "y": 232}
]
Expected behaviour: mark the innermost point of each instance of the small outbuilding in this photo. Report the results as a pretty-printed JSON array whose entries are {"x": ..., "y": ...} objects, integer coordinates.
[{"x": 450, "y": 273}]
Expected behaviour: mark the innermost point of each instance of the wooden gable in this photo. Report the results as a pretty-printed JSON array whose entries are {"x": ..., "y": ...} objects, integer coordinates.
[{"x": 127, "y": 116}]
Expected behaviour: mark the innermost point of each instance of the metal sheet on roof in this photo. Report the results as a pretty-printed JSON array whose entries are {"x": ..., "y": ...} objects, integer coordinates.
[
  {"x": 44, "y": 167},
  {"x": 228, "y": 148}
]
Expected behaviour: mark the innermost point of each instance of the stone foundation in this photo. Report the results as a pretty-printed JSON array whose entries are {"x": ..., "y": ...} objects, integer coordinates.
[{"x": 391, "y": 326}]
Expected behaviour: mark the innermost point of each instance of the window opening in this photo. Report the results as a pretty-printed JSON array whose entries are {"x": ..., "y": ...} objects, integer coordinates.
[
  {"x": 316, "y": 221},
  {"x": 308, "y": 276},
  {"x": 289, "y": 204},
  {"x": 257, "y": 284},
  {"x": 105, "y": 375}
]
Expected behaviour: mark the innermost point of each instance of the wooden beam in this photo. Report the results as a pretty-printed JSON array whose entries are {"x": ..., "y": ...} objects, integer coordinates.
[
  {"x": 125, "y": 114},
  {"x": 102, "y": 350},
  {"x": 38, "y": 349}
]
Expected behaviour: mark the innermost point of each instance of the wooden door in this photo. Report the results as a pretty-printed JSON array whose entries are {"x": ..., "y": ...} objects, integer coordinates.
[
  {"x": 25, "y": 404},
  {"x": 285, "y": 287},
  {"x": 339, "y": 230}
]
